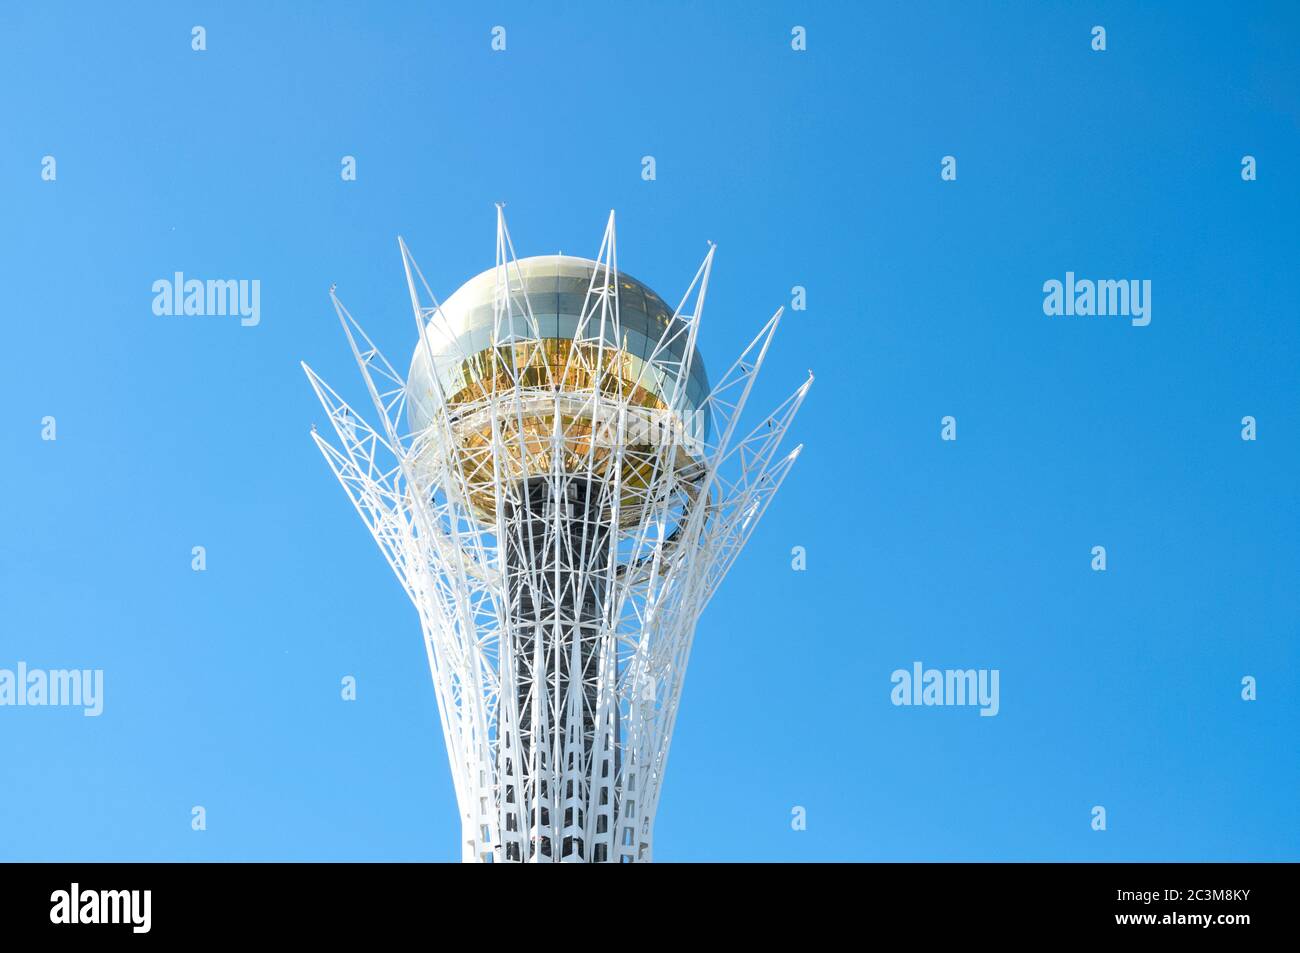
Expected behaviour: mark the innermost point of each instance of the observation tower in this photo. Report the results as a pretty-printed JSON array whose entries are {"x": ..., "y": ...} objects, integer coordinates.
[{"x": 560, "y": 486}]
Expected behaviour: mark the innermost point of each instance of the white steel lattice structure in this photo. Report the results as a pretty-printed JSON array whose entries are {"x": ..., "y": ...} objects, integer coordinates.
[{"x": 560, "y": 492}]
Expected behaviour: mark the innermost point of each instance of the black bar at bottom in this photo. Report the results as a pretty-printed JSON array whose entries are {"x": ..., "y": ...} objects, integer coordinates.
[{"x": 208, "y": 902}]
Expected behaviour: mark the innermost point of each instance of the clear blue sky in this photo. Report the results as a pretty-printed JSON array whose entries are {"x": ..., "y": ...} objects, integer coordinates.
[{"x": 818, "y": 168}]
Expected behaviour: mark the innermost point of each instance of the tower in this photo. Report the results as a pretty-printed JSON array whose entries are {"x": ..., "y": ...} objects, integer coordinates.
[{"x": 559, "y": 488}]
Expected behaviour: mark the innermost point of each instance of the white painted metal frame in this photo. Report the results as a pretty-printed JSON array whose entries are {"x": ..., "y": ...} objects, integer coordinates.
[{"x": 578, "y": 795}]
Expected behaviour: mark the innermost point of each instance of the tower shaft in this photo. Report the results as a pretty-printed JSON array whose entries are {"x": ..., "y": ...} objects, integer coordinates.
[{"x": 557, "y": 557}]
